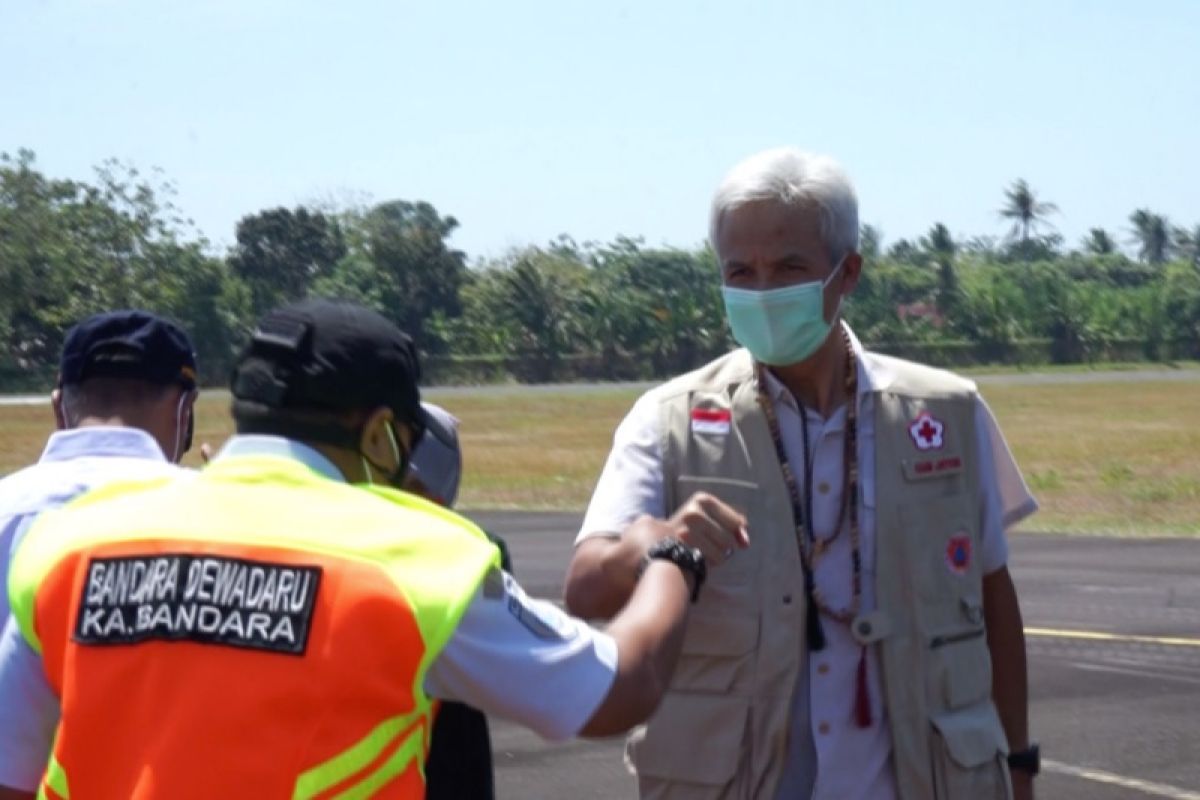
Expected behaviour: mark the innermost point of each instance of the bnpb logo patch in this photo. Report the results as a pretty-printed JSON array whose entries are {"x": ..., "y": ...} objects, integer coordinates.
[{"x": 958, "y": 554}]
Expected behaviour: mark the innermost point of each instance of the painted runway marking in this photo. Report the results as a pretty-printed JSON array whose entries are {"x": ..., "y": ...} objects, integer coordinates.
[
  {"x": 1112, "y": 779},
  {"x": 1140, "y": 673},
  {"x": 1097, "y": 636}
]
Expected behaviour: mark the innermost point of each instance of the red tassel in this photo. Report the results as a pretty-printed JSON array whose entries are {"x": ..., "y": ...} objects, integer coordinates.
[{"x": 862, "y": 699}]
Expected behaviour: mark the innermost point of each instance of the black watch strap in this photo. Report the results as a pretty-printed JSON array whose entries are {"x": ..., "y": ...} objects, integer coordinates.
[
  {"x": 1028, "y": 760},
  {"x": 687, "y": 558}
]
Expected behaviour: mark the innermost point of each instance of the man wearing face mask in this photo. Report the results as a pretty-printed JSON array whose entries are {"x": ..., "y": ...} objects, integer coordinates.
[
  {"x": 123, "y": 408},
  {"x": 861, "y": 637},
  {"x": 278, "y": 624}
]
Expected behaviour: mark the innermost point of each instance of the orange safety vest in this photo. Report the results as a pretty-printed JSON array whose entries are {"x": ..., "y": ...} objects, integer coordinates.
[{"x": 253, "y": 631}]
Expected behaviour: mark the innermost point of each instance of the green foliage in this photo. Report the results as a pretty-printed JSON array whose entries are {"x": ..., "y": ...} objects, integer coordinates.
[
  {"x": 614, "y": 310},
  {"x": 280, "y": 253},
  {"x": 69, "y": 249}
]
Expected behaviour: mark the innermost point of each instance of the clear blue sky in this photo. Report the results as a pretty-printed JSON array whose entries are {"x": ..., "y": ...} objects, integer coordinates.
[{"x": 528, "y": 119}]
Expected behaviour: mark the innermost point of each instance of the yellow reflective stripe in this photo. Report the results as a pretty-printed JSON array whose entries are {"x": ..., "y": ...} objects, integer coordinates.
[
  {"x": 319, "y": 778},
  {"x": 405, "y": 753},
  {"x": 56, "y": 779}
]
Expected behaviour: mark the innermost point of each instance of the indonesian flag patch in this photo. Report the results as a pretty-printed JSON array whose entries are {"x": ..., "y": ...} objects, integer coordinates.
[
  {"x": 711, "y": 420},
  {"x": 958, "y": 554},
  {"x": 927, "y": 432}
]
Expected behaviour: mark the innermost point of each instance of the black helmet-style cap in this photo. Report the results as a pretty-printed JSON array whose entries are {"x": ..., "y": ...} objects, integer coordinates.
[{"x": 327, "y": 356}]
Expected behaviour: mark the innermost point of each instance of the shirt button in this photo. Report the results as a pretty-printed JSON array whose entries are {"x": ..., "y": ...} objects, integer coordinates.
[
  {"x": 823, "y": 487},
  {"x": 822, "y": 669},
  {"x": 823, "y": 728}
]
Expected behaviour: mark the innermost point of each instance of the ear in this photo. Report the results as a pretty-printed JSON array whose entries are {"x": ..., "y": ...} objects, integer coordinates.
[
  {"x": 852, "y": 267},
  {"x": 376, "y": 441},
  {"x": 60, "y": 419}
]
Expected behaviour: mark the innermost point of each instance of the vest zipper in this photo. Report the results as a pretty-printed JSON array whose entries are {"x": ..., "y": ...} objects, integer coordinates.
[{"x": 952, "y": 638}]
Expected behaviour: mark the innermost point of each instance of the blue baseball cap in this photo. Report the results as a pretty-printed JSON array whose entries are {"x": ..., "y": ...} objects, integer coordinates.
[{"x": 128, "y": 344}]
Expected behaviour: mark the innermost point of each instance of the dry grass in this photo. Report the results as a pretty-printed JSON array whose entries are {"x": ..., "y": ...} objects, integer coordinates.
[{"x": 1117, "y": 458}]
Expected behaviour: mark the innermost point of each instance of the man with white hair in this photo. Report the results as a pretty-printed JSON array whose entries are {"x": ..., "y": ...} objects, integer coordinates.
[{"x": 863, "y": 638}]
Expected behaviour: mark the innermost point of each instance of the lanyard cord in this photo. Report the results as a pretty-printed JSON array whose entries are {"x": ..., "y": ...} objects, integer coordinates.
[{"x": 811, "y": 549}]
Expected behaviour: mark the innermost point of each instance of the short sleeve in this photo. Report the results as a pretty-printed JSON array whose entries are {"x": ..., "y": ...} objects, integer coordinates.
[
  {"x": 1005, "y": 500},
  {"x": 631, "y": 483},
  {"x": 29, "y": 712},
  {"x": 525, "y": 660}
]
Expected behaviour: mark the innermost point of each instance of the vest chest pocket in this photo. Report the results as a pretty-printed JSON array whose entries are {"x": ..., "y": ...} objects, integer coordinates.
[
  {"x": 717, "y": 653},
  {"x": 968, "y": 749},
  {"x": 741, "y": 496},
  {"x": 941, "y": 544},
  {"x": 961, "y": 667}
]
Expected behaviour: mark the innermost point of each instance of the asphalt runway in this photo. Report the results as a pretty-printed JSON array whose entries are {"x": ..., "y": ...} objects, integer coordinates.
[{"x": 1113, "y": 629}]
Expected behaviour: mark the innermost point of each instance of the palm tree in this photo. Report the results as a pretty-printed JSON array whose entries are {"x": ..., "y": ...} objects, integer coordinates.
[
  {"x": 1152, "y": 235},
  {"x": 1187, "y": 245},
  {"x": 939, "y": 243},
  {"x": 1025, "y": 210},
  {"x": 1098, "y": 242}
]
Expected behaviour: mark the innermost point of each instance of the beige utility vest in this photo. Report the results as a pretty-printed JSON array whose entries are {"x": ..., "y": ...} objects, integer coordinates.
[{"x": 722, "y": 729}]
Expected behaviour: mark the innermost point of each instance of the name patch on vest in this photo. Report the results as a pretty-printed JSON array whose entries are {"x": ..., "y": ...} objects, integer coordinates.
[{"x": 207, "y": 599}]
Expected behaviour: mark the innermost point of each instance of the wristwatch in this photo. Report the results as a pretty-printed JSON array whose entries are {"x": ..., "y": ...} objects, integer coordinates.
[
  {"x": 1028, "y": 760},
  {"x": 687, "y": 558}
]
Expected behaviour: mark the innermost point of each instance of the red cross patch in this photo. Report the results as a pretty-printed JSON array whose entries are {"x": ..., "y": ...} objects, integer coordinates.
[
  {"x": 958, "y": 554},
  {"x": 927, "y": 432}
]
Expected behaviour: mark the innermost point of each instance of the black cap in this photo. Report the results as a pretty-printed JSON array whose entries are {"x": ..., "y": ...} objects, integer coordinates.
[
  {"x": 128, "y": 344},
  {"x": 329, "y": 356}
]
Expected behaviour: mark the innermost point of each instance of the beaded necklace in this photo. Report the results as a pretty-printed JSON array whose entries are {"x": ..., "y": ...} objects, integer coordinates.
[{"x": 811, "y": 548}]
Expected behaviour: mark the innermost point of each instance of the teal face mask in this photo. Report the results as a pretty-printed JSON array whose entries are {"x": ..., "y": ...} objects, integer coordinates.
[{"x": 780, "y": 326}]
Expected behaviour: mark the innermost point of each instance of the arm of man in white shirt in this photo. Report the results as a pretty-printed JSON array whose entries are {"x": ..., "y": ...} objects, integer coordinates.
[
  {"x": 528, "y": 661},
  {"x": 1005, "y": 501},
  {"x": 625, "y": 517}
]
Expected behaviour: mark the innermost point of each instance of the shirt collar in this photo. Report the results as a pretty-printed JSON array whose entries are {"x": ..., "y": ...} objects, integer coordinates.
[
  {"x": 261, "y": 445},
  {"x": 101, "y": 440},
  {"x": 871, "y": 376}
]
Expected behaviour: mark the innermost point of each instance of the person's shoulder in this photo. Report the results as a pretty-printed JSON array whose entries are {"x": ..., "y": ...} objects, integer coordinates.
[
  {"x": 911, "y": 377},
  {"x": 28, "y": 490},
  {"x": 435, "y": 519},
  {"x": 734, "y": 367},
  {"x": 53, "y": 483},
  {"x": 127, "y": 483}
]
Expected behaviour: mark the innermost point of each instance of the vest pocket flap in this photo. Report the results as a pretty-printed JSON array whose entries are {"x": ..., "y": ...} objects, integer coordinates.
[
  {"x": 707, "y": 635},
  {"x": 737, "y": 493},
  {"x": 693, "y": 738},
  {"x": 973, "y": 736}
]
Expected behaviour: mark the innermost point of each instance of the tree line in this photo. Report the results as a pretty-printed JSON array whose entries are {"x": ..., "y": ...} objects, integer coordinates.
[{"x": 565, "y": 309}]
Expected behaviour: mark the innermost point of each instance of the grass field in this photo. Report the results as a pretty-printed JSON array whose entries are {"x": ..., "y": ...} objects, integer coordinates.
[{"x": 1119, "y": 458}]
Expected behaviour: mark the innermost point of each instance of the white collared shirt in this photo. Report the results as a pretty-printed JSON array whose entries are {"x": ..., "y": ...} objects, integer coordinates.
[
  {"x": 512, "y": 656},
  {"x": 851, "y": 762},
  {"x": 73, "y": 462}
]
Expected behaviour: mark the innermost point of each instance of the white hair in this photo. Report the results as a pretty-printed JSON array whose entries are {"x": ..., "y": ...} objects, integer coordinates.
[{"x": 793, "y": 177}]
